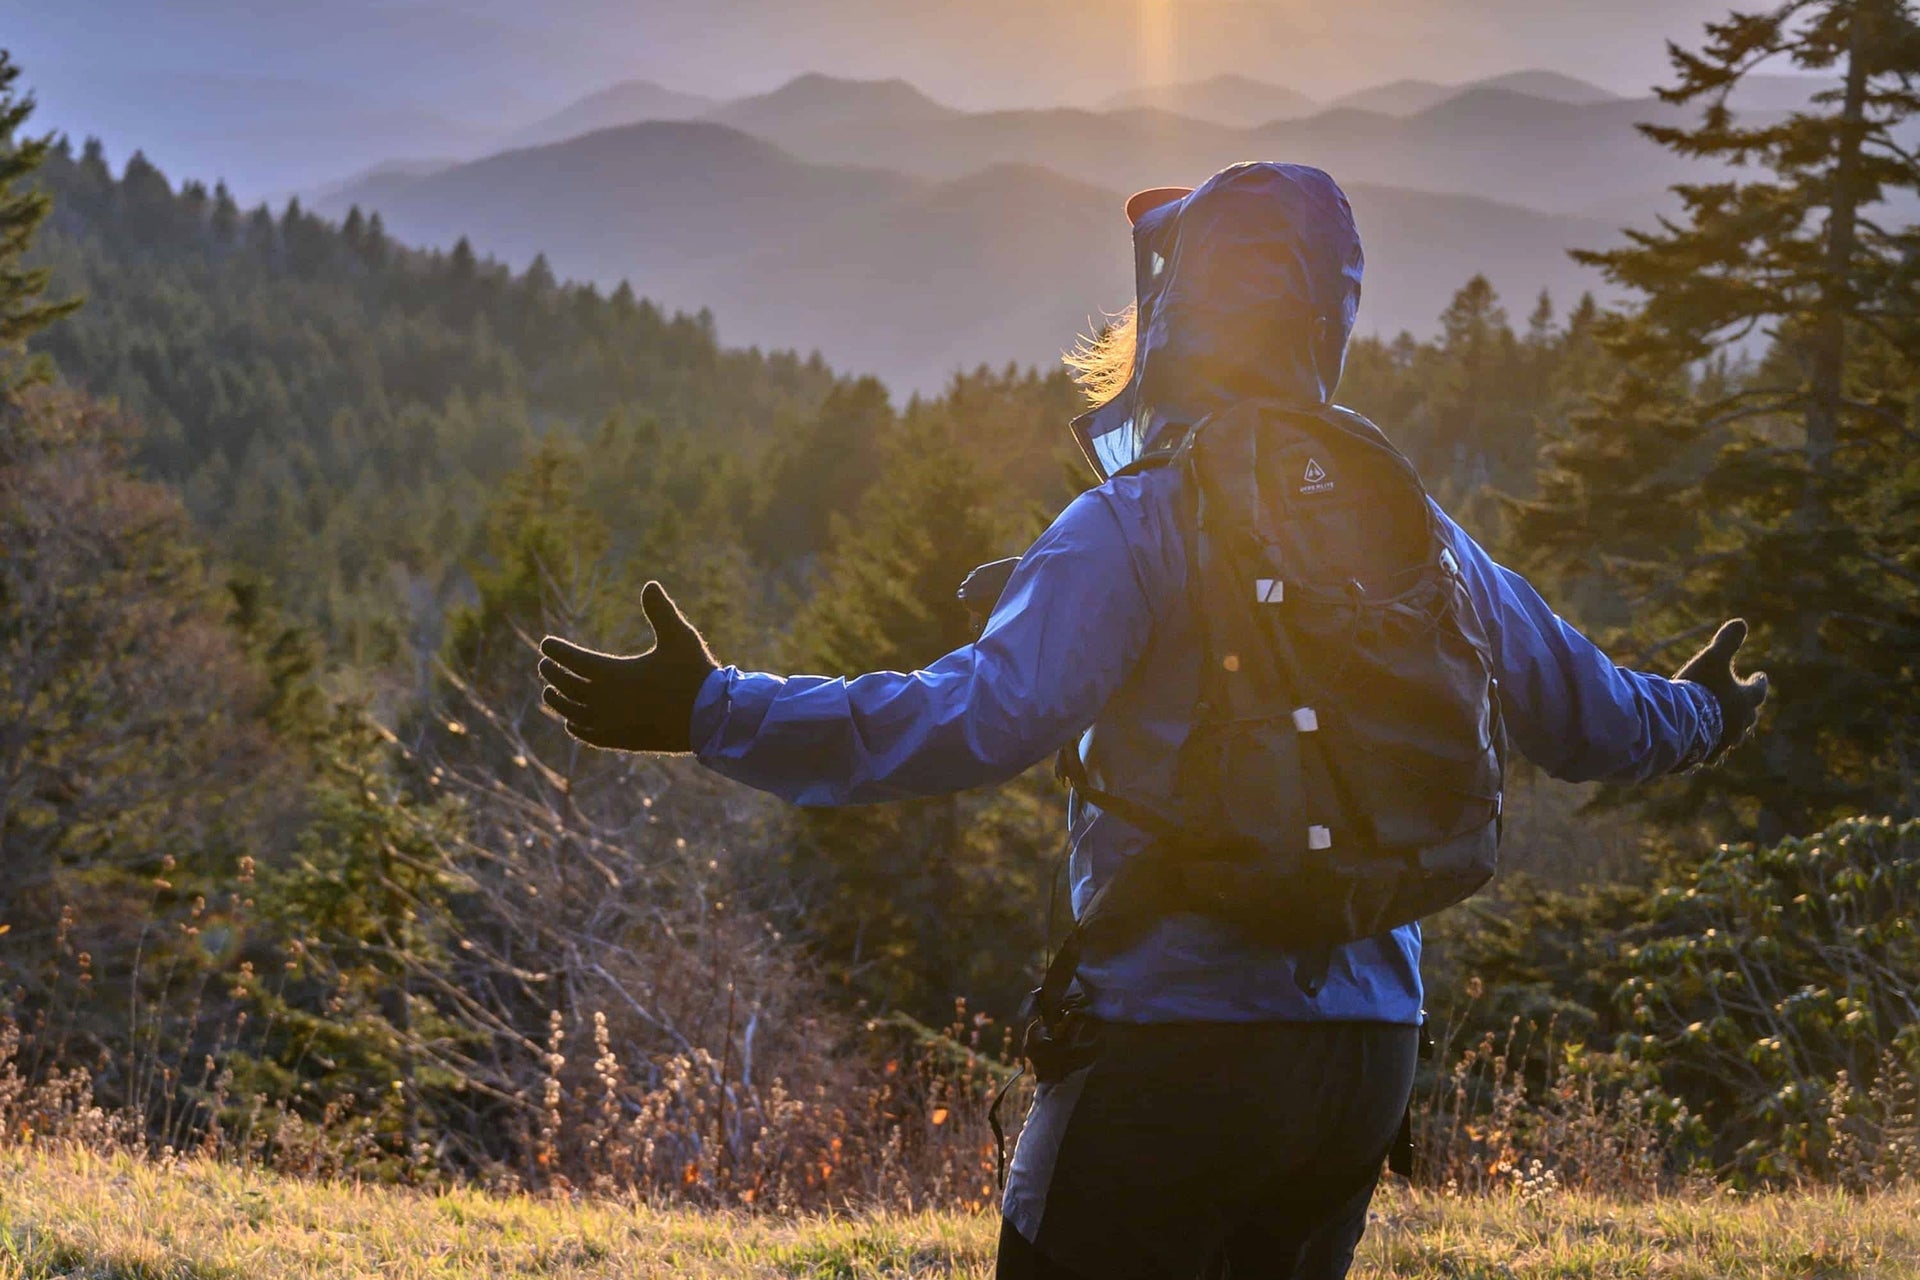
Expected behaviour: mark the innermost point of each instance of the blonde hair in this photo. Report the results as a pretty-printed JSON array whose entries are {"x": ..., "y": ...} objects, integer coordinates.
[{"x": 1102, "y": 363}]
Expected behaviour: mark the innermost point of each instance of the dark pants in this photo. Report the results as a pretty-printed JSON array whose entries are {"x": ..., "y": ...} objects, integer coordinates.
[{"x": 1216, "y": 1150}]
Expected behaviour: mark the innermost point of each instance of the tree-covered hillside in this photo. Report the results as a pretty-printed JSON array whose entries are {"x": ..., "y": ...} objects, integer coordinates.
[
  {"x": 426, "y": 457},
  {"x": 337, "y": 409}
]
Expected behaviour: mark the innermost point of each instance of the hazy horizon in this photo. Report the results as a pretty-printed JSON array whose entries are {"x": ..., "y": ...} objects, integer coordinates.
[
  {"x": 371, "y": 80},
  {"x": 405, "y": 107}
]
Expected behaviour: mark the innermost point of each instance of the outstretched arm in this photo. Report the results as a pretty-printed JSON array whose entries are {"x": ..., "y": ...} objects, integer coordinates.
[
  {"x": 1071, "y": 624},
  {"x": 1568, "y": 707}
]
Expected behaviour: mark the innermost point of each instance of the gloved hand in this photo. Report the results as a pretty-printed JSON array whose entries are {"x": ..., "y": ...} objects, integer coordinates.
[
  {"x": 982, "y": 588},
  {"x": 638, "y": 703},
  {"x": 1739, "y": 698}
]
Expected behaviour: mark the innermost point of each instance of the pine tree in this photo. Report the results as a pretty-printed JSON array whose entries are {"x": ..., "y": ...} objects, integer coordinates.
[
  {"x": 23, "y": 310},
  {"x": 545, "y": 555},
  {"x": 1478, "y": 427},
  {"x": 819, "y": 469},
  {"x": 95, "y": 183},
  {"x": 374, "y": 247},
  {"x": 225, "y": 220},
  {"x": 147, "y": 209},
  {"x": 369, "y": 891},
  {"x": 1782, "y": 491},
  {"x": 913, "y": 898},
  {"x": 1579, "y": 366}
]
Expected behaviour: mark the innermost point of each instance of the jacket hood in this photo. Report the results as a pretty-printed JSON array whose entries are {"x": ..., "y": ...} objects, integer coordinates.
[{"x": 1246, "y": 289}]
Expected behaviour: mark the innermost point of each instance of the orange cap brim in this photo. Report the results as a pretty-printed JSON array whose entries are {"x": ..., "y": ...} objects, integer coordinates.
[{"x": 1141, "y": 203}]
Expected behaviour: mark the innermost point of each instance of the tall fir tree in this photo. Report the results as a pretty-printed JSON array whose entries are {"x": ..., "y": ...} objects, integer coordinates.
[
  {"x": 820, "y": 469},
  {"x": 1783, "y": 489},
  {"x": 546, "y": 557},
  {"x": 1481, "y": 420},
  {"x": 23, "y": 308},
  {"x": 911, "y": 903}
]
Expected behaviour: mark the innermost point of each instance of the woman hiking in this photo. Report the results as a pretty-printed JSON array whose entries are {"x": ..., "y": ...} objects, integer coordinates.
[{"x": 1276, "y": 769}]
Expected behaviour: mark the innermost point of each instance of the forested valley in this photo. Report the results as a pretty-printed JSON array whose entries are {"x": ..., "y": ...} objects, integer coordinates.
[{"x": 294, "y": 859}]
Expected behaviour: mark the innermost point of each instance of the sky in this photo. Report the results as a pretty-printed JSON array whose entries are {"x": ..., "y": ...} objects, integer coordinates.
[{"x": 272, "y": 94}]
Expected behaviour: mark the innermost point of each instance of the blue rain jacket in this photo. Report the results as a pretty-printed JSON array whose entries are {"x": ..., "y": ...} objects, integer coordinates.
[{"x": 1246, "y": 287}]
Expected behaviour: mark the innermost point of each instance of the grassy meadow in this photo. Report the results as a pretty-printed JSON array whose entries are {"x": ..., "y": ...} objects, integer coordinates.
[{"x": 73, "y": 1213}]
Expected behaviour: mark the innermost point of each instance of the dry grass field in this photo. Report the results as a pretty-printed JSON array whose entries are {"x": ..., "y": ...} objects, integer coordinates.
[{"x": 77, "y": 1214}]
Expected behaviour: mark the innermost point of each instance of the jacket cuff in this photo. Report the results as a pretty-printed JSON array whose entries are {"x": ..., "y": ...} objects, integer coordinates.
[
  {"x": 710, "y": 707},
  {"x": 1708, "y": 732}
]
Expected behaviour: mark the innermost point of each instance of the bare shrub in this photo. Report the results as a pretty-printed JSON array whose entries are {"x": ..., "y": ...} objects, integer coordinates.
[
  {"x": 1483, "y": 1125},
  {"x": 1873, "y": 1134}
]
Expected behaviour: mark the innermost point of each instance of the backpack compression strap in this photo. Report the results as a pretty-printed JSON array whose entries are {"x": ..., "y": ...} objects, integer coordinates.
[{"x": 1149, "y": 881}]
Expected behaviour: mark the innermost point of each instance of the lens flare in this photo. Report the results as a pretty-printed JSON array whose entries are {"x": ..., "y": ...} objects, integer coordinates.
[{"x": 1154, "y": 56}]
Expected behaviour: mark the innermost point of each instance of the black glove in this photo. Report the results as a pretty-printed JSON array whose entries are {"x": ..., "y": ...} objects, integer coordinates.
[
  {"x": 982, "y": 588},
  {"x": 641, "y": 703},
  {"x": 1739, "y": 699}
]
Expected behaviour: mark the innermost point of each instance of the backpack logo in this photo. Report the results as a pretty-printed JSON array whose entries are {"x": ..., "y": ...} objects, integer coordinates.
[{"x": 1316, "y": 478}]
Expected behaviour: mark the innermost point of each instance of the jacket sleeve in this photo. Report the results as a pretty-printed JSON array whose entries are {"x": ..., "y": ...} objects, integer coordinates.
[
  {"x": 1568, "y": 708},
  {"x": 1070, "y": 625}
]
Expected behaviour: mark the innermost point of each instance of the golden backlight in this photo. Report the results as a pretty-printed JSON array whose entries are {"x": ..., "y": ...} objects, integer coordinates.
[{"x": 1154, "y": 56}]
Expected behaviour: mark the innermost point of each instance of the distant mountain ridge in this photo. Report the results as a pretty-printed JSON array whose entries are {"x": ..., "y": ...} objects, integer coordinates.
[
  {"x": 1554, "y": 86},
  {"x": 369, "y": 184},
  {"x": 909, "y": 276},
  {"x": 796, "y": 113},
  {"x": 1232, "y": 100},
  {"x": 812, "y": 99},
  {"x": 1012, "y": 263},
  {"x": 1497, "y": 143},
  {"x": 628, "y": 102},
  {"x": 890, "y": 231},
  {"x": 649, "y": 202},
  {"x": 1224, "y": 99},
  {"x": 1410, "y": 97}
]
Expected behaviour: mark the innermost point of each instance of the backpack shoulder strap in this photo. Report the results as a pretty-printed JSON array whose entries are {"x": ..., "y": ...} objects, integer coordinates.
[
  {"x": 1072, "y": 770},
  {"x": 1163, "y": 452}
]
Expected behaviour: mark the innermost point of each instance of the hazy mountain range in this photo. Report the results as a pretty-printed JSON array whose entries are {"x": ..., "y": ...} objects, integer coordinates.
[
  {"x": 806, "y": 105},
  {"x": 906, "y": 274},
  {"x": 1490, "y": 142},
  {"x": 628, "y": 102},
  {"x": 898, "y": 234},
  {"x": 1223, "y": 99},
  {"x": 1405, "y": 97}
]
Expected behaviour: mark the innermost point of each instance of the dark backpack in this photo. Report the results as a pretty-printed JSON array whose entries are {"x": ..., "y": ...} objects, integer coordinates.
[{"x": 1343, "y": 774}]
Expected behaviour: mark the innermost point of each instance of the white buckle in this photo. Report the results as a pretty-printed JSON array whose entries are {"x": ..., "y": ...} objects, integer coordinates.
[
  {"x": 1318, "y": 837},
  {"x": 1305, "y": 720},
  {"x": 1269, "y": 590}
]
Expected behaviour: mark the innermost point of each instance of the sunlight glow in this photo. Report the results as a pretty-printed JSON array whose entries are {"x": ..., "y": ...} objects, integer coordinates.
[{"x": 1154, "y": 56}]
